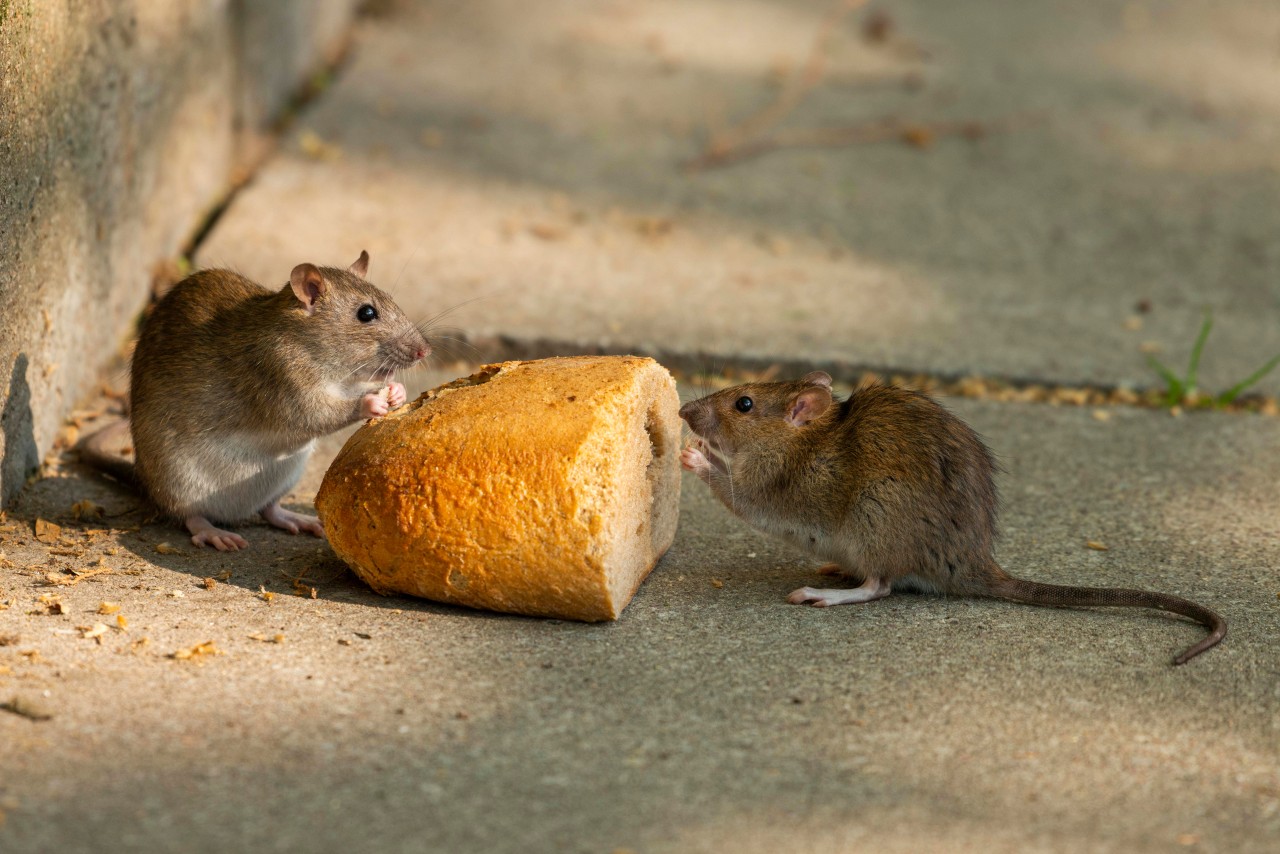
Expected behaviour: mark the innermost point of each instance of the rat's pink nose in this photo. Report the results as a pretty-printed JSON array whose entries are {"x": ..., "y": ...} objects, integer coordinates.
[{"x": 421, "y": 352}]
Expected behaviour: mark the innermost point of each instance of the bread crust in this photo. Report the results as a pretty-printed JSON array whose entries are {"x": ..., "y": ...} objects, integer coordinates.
[{"x": 547, "y": 487}]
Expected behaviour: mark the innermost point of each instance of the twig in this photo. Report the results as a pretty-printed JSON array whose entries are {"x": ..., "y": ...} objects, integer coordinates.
[
  {"x": 918, "y": 134},
  {"x": 723, "y": 145}
]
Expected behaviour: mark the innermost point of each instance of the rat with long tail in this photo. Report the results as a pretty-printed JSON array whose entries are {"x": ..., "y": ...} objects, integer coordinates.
[{"x": 887, "y": 486}]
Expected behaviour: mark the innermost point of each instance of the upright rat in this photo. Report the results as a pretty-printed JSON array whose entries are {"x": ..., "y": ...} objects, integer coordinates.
[
  {"x": 888, "y": 485},
  {"x": 231, "y": 384}
]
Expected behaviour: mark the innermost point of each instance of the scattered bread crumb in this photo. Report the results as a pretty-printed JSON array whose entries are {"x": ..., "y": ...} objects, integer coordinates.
[{"x": 193, "y": 652}]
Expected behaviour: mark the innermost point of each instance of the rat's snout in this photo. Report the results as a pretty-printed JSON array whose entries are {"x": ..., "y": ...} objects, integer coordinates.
[
  {"x": 698, "y": 415},
  {"x": 416, "y": 347}
]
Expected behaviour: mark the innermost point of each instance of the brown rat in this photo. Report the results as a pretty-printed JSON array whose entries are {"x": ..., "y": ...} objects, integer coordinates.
[
  {"x": 887, "y": 485},
  {"x": 231, "y": 384}
]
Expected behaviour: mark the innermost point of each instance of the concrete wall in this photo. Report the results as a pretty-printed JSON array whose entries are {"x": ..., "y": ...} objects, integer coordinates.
[{"x": 121, "y": 122}]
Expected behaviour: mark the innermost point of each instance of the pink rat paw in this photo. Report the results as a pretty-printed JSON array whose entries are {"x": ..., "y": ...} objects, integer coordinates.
[
  {"x": 287, "y": 520},
  {"x": 374, "y": 405},
  {"x": 205, "y": 533},
  {"x": 396, "y": 395},
  {"x": 692, "y": 459}
]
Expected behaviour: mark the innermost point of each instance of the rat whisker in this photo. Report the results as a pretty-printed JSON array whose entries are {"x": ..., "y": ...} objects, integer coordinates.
[
  {"x": 431, "y": 321},
  {"x": 358, "y": 367},
  {"x": 392, "y": 290},
  {"x": 452, "y": 346}
]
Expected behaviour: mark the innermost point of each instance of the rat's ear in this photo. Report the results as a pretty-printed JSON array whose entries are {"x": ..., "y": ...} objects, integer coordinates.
[
  {"x": 808, "y": 405},
  {"x": 360, "y": 266},
  {"x": 821, "y": 378},
  {"x": 308, "y": 285}
]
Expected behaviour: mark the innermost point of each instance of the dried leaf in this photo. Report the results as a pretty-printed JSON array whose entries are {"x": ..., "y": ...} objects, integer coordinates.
[
  {"x": 717, "y": 583},
  {"x": 52, "y": 603},
  {"x": 166, "y": 549},
  {"x": 96, "y": 631},
  {"x": 47, "y": 532},
  {"x": 209, "y": 583},
  {"x": 1096, "y": 546},
  {"x": 313, "y": 146},
  {"x": 545, "y": 231},
  {"x": 86, "y": 508},
  {"x": 76, "y": 576},
  {"x": 276, "y": 638},
  {"x": 122, "y": 622},
  {"x": 224, "y": 576},
  {"x": 265, "y": 594},
  {"x": 918, "y": 136},
  {"x": 108, "y": 608},
  {"x": 877, "y": 26}
]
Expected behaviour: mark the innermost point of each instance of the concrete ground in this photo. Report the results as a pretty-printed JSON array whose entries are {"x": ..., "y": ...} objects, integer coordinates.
[{"x": 479, "y": 150}]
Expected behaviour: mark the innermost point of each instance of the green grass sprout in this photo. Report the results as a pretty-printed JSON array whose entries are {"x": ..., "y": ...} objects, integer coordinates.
[{"x": 1184, "y": 391}]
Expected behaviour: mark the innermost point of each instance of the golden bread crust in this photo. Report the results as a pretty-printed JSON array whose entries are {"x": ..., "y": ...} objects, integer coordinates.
[{"x": 547, "y": 487}]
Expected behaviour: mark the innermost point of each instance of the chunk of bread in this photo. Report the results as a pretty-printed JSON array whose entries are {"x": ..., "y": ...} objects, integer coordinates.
[{"x": 547, "y": 487}]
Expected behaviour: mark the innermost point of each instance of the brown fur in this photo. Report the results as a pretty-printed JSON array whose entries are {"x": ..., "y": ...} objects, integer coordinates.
[
  {"x": 229, "y": 378},
  {"x": 887, "y": 484}
]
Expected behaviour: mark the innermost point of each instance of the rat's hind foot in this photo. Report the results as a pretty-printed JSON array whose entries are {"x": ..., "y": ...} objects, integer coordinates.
[
  {"x": 204, "y": 532},
  {"x": 292, "y": 522},
  {"x": 871, "y": 589}
]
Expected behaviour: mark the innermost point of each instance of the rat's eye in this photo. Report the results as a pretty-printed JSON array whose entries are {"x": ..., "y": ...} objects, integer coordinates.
[
  {"x": 743, "y": 404},
  {"x": 366, "y": 313}
]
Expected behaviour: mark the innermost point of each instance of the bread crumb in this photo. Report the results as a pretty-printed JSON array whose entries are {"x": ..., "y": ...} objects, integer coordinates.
[{"x": 199, "y": 650}]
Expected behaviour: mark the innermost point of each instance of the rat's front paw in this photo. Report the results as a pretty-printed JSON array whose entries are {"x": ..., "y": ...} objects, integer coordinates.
[
  {"x": 396, "y": 395},
  {"x": 692, "y": 459},
  {"x": 374, "y": 405}
]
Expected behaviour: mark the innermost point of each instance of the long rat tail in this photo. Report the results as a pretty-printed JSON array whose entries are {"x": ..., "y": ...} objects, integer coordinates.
[
  {"x": 1035, "y": 593},
  {"x": 95, "y": 450}
]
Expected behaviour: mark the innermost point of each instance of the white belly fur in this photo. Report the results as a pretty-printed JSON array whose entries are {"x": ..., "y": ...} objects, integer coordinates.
[{"x": 235, "y": 479}]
